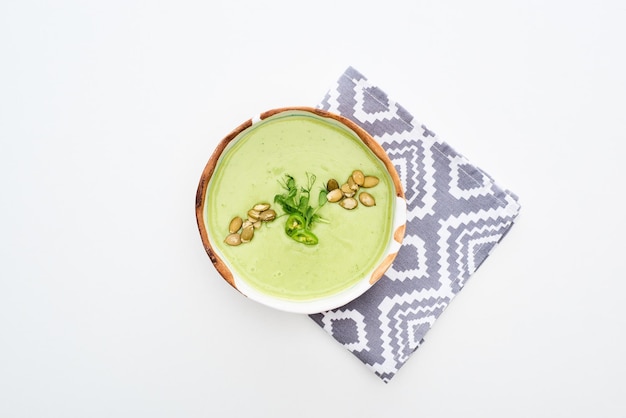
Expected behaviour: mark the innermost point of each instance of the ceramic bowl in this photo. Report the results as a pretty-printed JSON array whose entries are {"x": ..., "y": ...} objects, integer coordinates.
[{"x": 289, "y": 275}]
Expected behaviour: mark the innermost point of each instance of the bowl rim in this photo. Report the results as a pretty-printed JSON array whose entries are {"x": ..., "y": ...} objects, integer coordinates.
[{"x": 325, "y": 303}]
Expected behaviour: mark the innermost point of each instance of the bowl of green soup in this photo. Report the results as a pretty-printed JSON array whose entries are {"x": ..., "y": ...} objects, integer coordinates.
[{"x": 300, "y": 209}]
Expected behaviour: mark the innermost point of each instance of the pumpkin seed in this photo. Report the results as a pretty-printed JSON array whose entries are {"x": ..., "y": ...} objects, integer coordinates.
[
  {"x": 334, "y": 195},
  {"x": 254, "y": 214},
  {"x": 349, "y": 203},
  {"x": 332, "y": 185},
  {"x": 247, "y": 223},
  {"x": 352, "y": 184},
  {"x": 257, "y": 224},
  {"x": 347, "y": 191},
  {"x": 358, "y": 177},
  {"x": 233, "y": 239},
  {"x": 370, "y": 181},
  {"x": 247, "y": 234},
  {"x": 367, "y": 199},
  {"x": 267, "y": 215},
  {"x": 235, "y": 224},
  {"x": 260, "y": 207}
]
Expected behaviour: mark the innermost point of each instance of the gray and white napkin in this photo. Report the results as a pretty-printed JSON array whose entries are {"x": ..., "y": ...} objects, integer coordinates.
[{"x": 456, "y": 215}]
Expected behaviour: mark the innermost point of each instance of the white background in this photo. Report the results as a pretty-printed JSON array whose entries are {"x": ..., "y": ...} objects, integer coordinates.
[{"x": 109, "y": 306}]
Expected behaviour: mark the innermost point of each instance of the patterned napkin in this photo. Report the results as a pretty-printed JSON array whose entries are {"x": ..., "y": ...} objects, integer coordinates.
[{"x": 456, "y": 215}]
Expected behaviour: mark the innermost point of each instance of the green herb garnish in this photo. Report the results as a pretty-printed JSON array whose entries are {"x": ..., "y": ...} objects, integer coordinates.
[{"x": 296, "y": 203}]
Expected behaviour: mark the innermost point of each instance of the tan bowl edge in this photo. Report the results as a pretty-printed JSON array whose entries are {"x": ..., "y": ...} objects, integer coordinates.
[{"x": 209, "y": 168}]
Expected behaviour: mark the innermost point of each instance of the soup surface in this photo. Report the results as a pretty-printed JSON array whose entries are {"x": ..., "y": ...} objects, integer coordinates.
[{"x": 251, "y": 170}]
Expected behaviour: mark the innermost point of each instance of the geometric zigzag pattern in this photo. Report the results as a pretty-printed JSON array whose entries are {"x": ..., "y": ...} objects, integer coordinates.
[{"x": 455, "y": 216}]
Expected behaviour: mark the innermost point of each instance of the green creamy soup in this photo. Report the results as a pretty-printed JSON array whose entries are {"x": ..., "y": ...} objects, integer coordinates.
[{"x": 251, "y": 170}]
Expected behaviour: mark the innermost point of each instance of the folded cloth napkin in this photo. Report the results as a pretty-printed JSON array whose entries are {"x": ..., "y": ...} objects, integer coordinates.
[{"x": 456, "y": 214}]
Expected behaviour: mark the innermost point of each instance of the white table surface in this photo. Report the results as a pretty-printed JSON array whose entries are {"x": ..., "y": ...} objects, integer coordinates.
[{"x": 109, "y": 306}]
